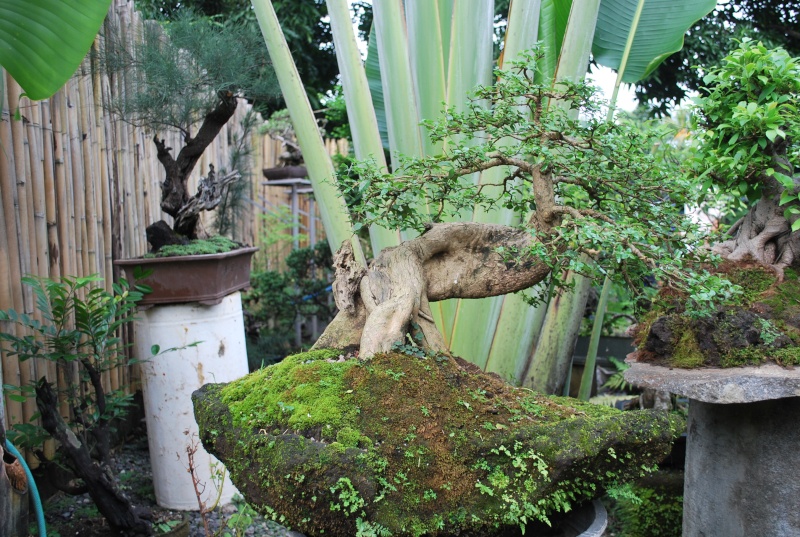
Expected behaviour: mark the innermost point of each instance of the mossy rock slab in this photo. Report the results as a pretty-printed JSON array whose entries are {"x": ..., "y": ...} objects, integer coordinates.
[
  {"x": 762, "y": 327},
  {"x": 403, "y": 445}
]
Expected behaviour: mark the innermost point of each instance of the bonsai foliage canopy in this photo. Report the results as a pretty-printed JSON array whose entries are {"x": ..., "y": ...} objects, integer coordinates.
[
  {"x": 590, "y": 195},
  {"x": 189, "y": 75},
  {"x": 749, "y": 127}
]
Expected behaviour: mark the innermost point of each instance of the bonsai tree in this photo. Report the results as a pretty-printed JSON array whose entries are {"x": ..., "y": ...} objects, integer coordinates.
[
  {"x": 590, "y": 195},
  {"x": 189, "y": 78},
  {"x": 748, "y": 126}
]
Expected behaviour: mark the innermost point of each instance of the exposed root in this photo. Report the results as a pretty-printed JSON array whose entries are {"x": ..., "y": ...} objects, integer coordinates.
[{"x": 379, "y": 306}]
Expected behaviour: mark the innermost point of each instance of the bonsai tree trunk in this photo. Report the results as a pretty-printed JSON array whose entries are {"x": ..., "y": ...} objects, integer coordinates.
[
  {"x": 380, "y": 306},
  {"x": 175, "y": 199},
  {"x": 764, "y": 234}
]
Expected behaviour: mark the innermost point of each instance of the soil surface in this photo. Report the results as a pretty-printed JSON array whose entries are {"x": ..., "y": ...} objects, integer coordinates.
[{"x": 77, "y": 515}]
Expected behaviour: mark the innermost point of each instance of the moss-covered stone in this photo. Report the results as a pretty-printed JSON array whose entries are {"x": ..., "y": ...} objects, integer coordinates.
[
  {"x": 402, "y": 445},
  {"x": 764, "y": 326}
]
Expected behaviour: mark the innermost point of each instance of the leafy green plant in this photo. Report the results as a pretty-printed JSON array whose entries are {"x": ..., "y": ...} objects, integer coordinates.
[
  {"x": 78, "y": 328},
  {"x": 749, "y": 123},
  {"x": 648, "y": 509},
  {"x": 617, "y": 382}
]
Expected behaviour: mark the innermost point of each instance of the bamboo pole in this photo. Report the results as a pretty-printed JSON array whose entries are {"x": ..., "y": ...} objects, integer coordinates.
[
  {"x": 48, "y": 167},
  {"x": 77, "y": 180},
  {"x": 10, "y": 291},
  {"x": 15, "y": 207},
  {"x": 89, "y": 197},
  {"x": 36, "y": 160},
  {"x": 21, "y": 198}
]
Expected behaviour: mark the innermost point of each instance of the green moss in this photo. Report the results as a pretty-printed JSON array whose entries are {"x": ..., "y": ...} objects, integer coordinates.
[
  {"x": 304, "y": 392},
  {"x": 211, "y": 245},
  {"x": 742, "y": 357},
  {"x": 784, "y": 299},
  {"x": 754, "y": 281},
  {"x": 787, "y": 356},
  {"x": 349, "y": 437},
  {"x": 687, "y": 353}
]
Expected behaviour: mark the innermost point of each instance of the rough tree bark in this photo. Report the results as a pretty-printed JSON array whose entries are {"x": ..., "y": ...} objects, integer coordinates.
[
  {"x": 764, "y": 234},
  {"x": 174, "y": 194},
  {"x": 380, "y": 305},
  {"x": 114, "y": 506}
]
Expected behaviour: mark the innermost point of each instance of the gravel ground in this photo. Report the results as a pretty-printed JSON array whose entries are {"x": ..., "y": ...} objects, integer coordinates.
[{"x": 77, "y": 515}]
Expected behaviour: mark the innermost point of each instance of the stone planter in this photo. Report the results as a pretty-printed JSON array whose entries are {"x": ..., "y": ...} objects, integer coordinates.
[
  {"x": 742, "y": 462},
  {"x": 193, "y": 278}
]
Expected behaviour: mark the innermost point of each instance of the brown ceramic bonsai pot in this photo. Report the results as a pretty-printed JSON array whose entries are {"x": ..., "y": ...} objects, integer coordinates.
[{"x": 206, "y": 278}]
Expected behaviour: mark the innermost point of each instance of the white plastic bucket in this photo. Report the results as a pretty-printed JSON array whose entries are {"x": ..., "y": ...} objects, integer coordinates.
[{"x": 167, "y": 385}]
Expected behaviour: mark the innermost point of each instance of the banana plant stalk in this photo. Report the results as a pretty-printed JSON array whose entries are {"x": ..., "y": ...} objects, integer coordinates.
[
  {"x": 335, "y": 216},
  {"x": 591, "y": 355}
]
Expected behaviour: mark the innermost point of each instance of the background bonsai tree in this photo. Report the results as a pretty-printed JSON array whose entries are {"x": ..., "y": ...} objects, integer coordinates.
[
  {"x": 749, "y": 124},
  {"x": 188, "y": 75},
  {"x": 590, "y": 195}
]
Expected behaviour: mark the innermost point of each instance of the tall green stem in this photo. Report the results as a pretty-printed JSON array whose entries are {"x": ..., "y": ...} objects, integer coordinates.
[
  {"x": 591, "y": 355},
  {"x": 333, "y": 210}
]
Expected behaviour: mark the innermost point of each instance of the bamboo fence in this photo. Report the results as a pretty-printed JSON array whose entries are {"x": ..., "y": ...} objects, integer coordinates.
[{"x": 79, "y": 186}]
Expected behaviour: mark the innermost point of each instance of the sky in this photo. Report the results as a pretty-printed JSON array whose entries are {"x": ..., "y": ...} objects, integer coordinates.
[{"x": 605, "y": 78}]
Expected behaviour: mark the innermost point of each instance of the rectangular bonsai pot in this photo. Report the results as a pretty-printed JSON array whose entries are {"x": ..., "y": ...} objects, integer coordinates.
[{"x": 206, "y": 278}]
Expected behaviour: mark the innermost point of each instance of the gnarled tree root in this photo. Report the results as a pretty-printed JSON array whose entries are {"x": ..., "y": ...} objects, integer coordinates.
[{"x": 381, "y": 305}]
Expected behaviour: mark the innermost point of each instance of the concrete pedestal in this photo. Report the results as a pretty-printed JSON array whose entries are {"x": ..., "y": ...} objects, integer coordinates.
[
  {"x": 743, "y": 448},
  {"x": 743, "y": 469},
  {"x": 168, "y": 383}
]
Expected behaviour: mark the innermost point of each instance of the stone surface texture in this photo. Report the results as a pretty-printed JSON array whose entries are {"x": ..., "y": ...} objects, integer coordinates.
[
  {"x": 417, "y": 445},
  {"x": 743, "y": 469},
  {"x": 721, "y": 386}
]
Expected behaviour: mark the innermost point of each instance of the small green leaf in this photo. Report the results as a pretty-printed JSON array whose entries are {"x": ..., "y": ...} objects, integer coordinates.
[{"x": 155, "y": 349}]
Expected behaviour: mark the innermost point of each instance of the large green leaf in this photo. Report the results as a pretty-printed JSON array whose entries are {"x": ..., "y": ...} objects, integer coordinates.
[
  {"x": 660, "y": 32},
  {"x": 372, "y": 67},
  {"x": 360, "y": 112},
  {"x": 42, "y": 42}
]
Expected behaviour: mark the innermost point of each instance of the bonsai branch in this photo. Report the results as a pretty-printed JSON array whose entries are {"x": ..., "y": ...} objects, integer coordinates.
[
  {"x": 174, "y": 195},
  {"x": 114, "y": 506}
]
